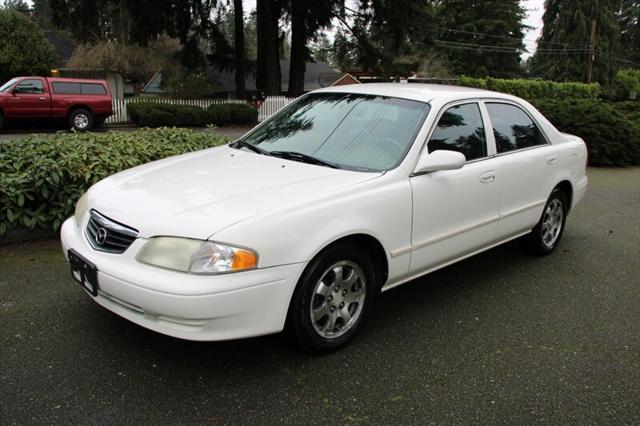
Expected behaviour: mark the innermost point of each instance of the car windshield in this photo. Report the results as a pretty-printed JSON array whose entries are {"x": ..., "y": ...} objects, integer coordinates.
[
  {"x": 342, "y": 130},
  {"x": 8, "y": 84}
]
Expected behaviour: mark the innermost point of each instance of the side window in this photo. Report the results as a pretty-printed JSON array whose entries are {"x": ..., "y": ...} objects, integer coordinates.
[
  {"x": 460, "y": 129},
  {"x": 513, "y": 128},
  {"x": 30, "y": 87},
  {"x": 61, "y": 88},
  {"x": 92, "y": 89}
]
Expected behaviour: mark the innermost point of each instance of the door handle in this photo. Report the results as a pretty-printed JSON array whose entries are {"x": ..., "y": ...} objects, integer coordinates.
[
  {"x": 488, "y": 177},
  {"x": 552, "y": 159},
  {"x": 43, "y": 98}
]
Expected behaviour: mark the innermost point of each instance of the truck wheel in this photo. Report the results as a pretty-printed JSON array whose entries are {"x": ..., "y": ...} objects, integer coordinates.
[
  {"x": 81, "y": 120},
  {"x": 1, "y": 121}
]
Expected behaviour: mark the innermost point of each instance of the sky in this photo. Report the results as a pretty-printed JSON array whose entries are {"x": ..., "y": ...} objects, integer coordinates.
[{"x": 535, "y": 10}]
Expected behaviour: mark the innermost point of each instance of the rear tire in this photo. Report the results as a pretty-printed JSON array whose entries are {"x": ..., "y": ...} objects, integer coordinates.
[
  {"x": 81, "y": 120},
  {"x": 546, "y": 235},
  {"x": 333, "y": 299},
  {"x": 1, "y": 121}
]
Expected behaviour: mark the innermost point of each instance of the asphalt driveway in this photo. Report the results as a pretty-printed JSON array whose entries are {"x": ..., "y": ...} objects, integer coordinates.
[{"x": 499, "y": 338}]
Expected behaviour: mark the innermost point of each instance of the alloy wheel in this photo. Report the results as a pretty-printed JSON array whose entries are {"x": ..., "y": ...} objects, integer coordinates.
[
  {"x": 552, "y": 222},
  {"x": 338, "y": 299}
]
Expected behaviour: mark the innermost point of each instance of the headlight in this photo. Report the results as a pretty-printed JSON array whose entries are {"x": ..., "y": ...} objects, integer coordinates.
[
  {"x": 81, "y": 209},
  {"x": 196, "y": 256}
]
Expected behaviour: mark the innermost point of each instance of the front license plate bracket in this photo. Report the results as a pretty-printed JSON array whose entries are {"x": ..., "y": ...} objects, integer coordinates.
[{"x": 84, "y": 272}]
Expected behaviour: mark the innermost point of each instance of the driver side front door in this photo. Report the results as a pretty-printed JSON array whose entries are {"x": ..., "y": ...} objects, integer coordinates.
[{"x": 455, "y": 212}]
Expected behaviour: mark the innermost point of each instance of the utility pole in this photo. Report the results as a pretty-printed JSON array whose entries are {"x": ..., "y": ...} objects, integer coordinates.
[{"x": 592, "y": 51}]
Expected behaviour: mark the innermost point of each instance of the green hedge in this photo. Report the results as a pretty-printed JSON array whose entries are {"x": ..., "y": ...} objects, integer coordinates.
[
  {"x": 534, "y": 89},
  {"x": 625, "y": 83},
  {"x": 610, "y": 129},
  {"x": 152, "y": 114},
  {"x": 42, "y": 177}
]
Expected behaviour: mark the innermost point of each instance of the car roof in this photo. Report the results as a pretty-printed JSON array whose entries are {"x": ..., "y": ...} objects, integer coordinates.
[
  {"x": 74, "y": 80},
  {"x": 415, "y": 91}
]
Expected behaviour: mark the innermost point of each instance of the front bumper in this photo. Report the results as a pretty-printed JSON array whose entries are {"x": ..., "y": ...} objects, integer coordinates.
[{"x": 187, "y": 306}]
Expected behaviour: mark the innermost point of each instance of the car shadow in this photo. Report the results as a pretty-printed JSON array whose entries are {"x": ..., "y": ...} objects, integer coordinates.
[{"x": 416, "y": 302}]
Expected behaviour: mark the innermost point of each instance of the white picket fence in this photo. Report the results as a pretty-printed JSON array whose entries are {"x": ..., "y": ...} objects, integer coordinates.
[{"x": 270, "y": 106}]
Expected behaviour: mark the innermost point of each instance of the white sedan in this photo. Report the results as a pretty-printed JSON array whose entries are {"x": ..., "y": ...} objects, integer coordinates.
[{"x": 300, "y": 224}]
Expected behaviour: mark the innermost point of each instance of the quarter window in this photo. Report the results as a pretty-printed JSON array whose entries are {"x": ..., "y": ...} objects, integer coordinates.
[
  {"x": 30, "y": 87},
  {"x": 513, "y": 128},
  {"x": 460, "y": 129}
]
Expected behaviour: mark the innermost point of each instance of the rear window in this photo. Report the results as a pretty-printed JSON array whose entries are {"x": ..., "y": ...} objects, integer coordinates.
[{"x": 78, "y": 88}]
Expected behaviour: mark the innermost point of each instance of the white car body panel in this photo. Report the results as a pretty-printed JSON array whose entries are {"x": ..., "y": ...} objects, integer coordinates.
[{"x": 288, "y": 212}]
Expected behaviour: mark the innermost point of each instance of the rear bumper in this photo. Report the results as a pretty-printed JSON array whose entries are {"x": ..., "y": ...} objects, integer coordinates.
[
  {"x": 579, "y": 190},
  {"x": 188, "y": 306}
]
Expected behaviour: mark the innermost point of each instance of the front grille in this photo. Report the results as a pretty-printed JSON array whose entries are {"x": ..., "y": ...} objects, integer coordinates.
[{"x": 108, "y": 235}]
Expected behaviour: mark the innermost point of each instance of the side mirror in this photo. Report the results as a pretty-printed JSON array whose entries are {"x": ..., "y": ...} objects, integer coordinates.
[{"x": 440, "y": 160}]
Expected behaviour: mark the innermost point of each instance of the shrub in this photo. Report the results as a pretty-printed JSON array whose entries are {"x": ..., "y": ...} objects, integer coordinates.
[
  {"x": 234, "y": 114},
  {"x": 625, "y": 83},
  {"x": 185, "y": 84},
  {"x": 23, "y": 48},
  {"x": 534, "y": 89},
  {"x": 152, "y": 114},
  {"x": 42, "y": 177},
  {"x": 611, "y": 130}
]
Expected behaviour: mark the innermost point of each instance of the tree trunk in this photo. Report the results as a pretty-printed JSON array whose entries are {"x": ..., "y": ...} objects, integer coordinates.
[
  {"x": 268, "y": 74},
  {"x": 241, "y": 92},
  {"x": 297, "y": 66}
]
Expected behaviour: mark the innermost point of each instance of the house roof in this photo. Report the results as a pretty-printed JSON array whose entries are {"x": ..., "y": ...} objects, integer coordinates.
[{"x": 63, "y": 46}]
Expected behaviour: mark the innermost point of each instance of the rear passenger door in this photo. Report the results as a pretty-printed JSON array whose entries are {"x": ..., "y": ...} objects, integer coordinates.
[{"x": 527, "y": 162}]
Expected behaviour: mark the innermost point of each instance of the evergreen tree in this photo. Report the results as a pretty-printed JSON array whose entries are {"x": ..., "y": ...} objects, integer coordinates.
[
  {"x": 238, "y": 28},
  {"x": 482, "y": 37},
  {"x": 343, "y": 52},
  {"x": 23, "y": 48},
  {"x": 564, "y": 45},
  {"x": 384, "y": 36},
  {"x": 268, "y": 17},
  {"x": 307, "y": 18},
  {"x": 629, "y": 19},
  {"x": 321, "y": 47}
]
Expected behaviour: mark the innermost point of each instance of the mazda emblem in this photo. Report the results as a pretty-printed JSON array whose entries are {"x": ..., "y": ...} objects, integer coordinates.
[{"x": 101, "y": 236}]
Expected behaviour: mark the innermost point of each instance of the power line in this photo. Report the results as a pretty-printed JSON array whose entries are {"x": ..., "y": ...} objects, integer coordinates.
[
  {"x": 508, "y": 49},
  {"x": 615, "y": 58},
  {"x": 516, "y": 39}
]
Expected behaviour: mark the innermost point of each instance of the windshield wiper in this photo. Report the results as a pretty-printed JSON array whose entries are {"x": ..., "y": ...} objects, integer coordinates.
[
  {"x": 304, "y": 158},
  {"x": 243, "y": 144}
]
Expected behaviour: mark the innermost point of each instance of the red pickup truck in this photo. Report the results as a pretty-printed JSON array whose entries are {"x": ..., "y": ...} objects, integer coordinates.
[{"x": 82, "y": 103}]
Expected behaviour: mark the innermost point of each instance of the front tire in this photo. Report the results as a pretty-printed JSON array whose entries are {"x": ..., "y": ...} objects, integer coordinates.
[
  {"x": 546, "y": 235},
  {"x": 81, "y": 120},
  {"x": 333, "y": 299},
  {"x": 1, "y": 121}
]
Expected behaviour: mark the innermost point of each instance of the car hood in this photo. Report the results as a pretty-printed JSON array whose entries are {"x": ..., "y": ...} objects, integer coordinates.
[{"x": 196, "y": 195}]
